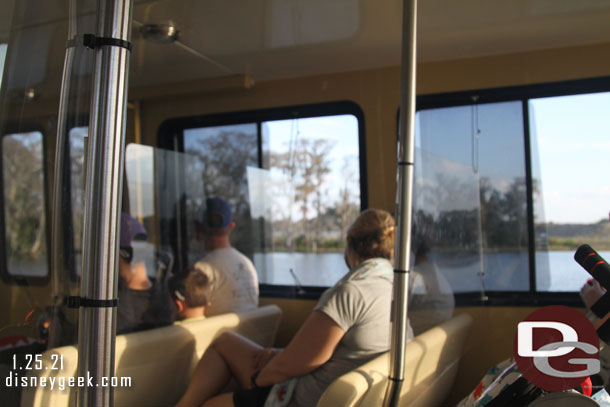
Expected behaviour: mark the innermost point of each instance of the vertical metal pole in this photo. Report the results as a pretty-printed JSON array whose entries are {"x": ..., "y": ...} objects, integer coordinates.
[
  {"x": 404, "y": 204},
  {"x": 103, "y": 190}
]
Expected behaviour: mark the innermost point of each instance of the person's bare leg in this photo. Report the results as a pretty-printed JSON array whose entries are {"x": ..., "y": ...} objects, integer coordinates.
[
  {"x": 229, "y": 355},
  {"x": 204, "y": 385}
]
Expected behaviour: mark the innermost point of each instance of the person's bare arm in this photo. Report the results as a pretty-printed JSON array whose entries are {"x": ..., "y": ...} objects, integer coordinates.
[{"x": 311, "y": 347}]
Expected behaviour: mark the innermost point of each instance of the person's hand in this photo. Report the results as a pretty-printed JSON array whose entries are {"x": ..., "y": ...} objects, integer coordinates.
[
  {"x": 591, "y": 292},
  {"x": 263, "y": 357}
]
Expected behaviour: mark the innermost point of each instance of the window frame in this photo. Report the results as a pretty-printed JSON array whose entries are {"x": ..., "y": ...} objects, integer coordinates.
[
  {"x": 170, "y": 136},
  {"x": 521, "y": 93},
  {"x": 5, "y": 275}
]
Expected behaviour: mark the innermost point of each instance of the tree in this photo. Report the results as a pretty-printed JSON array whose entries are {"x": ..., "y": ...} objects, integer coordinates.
[
  {"x": 347, "y": 206},
  {"x": 318, "y": 155},
  {"x": 286, "y": 163},
  {"x": 220, "y": 165},
  {"x": 24, "y": 200},
  {"x": 306, "y": 167}
]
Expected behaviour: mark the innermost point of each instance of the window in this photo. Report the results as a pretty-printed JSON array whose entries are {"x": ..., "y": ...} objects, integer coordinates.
[
  {"x": 470, "y": 204},
  {"x": 217, "y": 165},
  {"x": 25, "y": 207},
  {"x": 3, "y": 48},
  {"x": 77, "y": 139},
  {"x": 571, "y": 147},
  {"x": 139, "y": 192},
  {"x": 292, "y": 177},
  {"x": 508, "y": 183},
  {"x": 308, "y": 196}
]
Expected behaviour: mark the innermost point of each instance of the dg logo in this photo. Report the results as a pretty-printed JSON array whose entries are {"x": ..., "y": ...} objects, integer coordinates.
[{"x": 556, "y": 348}]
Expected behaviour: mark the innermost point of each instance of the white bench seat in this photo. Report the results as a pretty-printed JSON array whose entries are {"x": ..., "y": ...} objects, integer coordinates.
[
  {"x": 159, "y": 361},
  {"x": 431, "y": 363}
]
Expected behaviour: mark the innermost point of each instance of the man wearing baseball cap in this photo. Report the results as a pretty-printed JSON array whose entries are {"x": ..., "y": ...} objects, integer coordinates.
[{"x": 232, "y": 276}]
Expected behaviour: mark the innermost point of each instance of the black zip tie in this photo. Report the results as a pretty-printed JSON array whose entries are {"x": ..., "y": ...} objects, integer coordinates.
[
  {"x": 404, "y": 163},
  {"x": 77, "y": 302},
  {"x": 93, "y": 42},
  {"x": 400, "y": 271}
]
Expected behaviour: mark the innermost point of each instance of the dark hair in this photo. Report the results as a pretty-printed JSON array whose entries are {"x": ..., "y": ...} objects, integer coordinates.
[
  {"x": 372, "y": 234},
  {"x": 192, "y": 288}
]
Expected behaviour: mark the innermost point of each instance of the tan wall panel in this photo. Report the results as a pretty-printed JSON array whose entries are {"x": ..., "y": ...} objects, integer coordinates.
[
  {"x": 491, "y": 341},
  {"x": 515, "y": 69},
  {"x": 294, "y": 312}
]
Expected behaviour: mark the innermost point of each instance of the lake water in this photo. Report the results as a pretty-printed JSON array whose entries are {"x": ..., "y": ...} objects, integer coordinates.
[{"x": 555, "y": 270}]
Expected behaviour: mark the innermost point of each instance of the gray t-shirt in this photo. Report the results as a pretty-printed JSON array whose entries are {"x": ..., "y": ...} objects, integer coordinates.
[{"x": 360, "y": 304}]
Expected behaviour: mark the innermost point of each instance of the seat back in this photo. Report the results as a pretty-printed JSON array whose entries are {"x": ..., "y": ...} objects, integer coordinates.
[
  {"x": 159, "y": 362},
  {"x": 431, "y": 363}
]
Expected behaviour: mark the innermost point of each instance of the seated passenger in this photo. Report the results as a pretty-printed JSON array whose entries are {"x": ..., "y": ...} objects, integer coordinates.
[
  {"x": 232, "y": 276},
  {"x": 349, "y": 326},
  {"x": 141, "y": 304},
  {"x": 189, "y": 293},
  {"x": 590, "y": 293},
  {"x": 431, "y": 299},
  {"x": 134, "y": 286}
]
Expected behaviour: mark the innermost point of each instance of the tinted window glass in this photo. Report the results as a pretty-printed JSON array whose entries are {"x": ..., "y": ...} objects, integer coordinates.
[
  {"x": 309, "y": 197},
  {"x": 570, "y": 149},
  {"x": 470, "y": 195},
  {"x": 77, "y": 138},
  {"x": 217, "y": 167},
  {"x": 293, "y": 185},
  {"x": 25, "y": 223},
  {"x": 3, "y": 48}
]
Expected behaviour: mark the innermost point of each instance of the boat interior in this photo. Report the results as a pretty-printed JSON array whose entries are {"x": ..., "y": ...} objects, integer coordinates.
[{"x": 221, "y": 98}]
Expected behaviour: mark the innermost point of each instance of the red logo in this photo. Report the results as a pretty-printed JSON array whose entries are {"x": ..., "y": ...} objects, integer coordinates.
[{"x": 556, "y": 348}]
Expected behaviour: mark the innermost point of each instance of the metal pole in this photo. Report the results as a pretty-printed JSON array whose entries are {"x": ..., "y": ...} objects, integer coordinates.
[
  {"x": 103, "y": 190},
  {"x": 404, "y": 203}
]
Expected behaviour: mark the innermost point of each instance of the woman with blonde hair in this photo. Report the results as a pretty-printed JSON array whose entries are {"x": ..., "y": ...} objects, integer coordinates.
[{"x": 349, "y": 326}]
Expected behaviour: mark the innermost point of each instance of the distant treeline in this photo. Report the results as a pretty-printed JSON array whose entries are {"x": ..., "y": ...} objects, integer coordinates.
[{"x": 569, "y": 236}]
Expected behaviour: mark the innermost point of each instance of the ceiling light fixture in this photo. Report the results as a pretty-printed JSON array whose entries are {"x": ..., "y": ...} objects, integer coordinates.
[{"x": 160, "y": 33}]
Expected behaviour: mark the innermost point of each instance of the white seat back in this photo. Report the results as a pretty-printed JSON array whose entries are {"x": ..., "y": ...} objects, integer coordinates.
[
  {"x": 159, "y": 361},
  {"x": 431, "y": 362}
]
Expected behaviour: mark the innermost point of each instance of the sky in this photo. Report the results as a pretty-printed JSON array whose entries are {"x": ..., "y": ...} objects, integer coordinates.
[
  {"x": 573, "y": 136},
  {"x": 340, "y": 130}
]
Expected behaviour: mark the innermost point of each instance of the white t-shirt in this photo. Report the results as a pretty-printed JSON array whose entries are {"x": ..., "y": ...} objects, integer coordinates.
[{"x": 233, "y": 281}]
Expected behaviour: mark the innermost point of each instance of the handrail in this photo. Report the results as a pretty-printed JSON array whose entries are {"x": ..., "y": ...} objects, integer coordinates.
[
  {"x": 103, "y": 192},
  {"x": 404, "y": 204}
]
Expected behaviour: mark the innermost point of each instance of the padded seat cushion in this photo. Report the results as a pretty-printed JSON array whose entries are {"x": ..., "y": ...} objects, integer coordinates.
[
  {"x": 159, "y": 361},
  {"x": 431, "y": 363}
]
